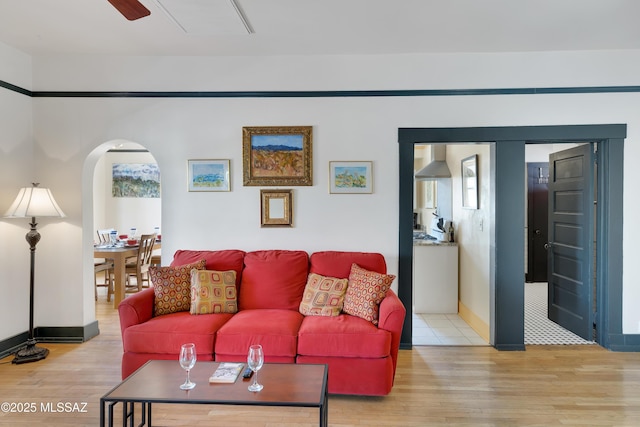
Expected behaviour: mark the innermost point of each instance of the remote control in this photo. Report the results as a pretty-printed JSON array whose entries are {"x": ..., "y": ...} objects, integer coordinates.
[{"x": 247, "y": 373}]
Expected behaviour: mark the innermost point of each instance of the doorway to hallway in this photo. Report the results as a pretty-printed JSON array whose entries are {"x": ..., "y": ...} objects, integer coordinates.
[{"x": 507, "y": 253}]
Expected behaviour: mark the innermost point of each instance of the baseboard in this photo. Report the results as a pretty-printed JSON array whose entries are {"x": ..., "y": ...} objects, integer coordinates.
[
  {"x": 61, "y": 334},
  {"x": 12, "y": 344},
  {"x": 67, "y": 333},
  {"x": 622, "y": 342},
  {"x": 476, "y": 323}
]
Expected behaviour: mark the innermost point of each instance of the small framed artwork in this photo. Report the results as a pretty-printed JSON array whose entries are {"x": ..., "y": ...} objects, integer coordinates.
[
  {"x": 135, "y": 180},
  {"x": 470, "y": 182},
  {"x": 351, "y": 177},
  {"x": 276, "y": 208},
  {"x": 277, "y": 155},
  {"x": 208, "y": 175},
  {"x": 429, "y": 194}
]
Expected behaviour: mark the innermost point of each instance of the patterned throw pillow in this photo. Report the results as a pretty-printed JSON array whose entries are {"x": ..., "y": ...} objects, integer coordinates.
[
  {"x": 172, "y": 287},
  {"x": 365, "y": 292},
  {"x": 323, "y": 296},
  {"x": 213, "y": 292}
]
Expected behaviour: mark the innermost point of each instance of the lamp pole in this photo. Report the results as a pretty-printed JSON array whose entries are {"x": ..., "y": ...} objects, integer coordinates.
[{"x": 31, "y": 353}]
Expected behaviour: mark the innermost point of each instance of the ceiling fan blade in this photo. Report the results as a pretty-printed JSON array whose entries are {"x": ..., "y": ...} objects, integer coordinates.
[{"x": 131, "y": 9}]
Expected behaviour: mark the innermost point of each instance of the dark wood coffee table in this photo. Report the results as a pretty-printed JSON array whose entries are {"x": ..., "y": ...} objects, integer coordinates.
[{"x": 158, "y": 381}]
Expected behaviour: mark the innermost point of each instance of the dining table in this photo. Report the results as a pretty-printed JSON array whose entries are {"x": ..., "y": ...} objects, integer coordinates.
[{"x": 119, "y": 254}]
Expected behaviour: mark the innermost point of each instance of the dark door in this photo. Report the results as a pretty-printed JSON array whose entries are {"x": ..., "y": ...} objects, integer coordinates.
[
  {"x": 537, "y": 220},
  {"x": 571, "y": 198}
]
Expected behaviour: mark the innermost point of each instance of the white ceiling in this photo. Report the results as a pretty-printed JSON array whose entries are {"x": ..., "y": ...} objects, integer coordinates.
[{"x": 301, "y": 27}]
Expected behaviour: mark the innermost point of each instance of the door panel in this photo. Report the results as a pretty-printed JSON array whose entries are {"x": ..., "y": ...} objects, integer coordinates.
[{"x": 571, "y": 196}]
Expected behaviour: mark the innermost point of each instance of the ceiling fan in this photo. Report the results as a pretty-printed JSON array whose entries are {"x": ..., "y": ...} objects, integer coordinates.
[{"x": 131, "y": 9}]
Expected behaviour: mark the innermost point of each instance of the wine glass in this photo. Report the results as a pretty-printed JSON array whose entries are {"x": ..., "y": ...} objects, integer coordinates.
[
  {"x": 255, "y": 359},
  {"x": 188, "y": 361}
]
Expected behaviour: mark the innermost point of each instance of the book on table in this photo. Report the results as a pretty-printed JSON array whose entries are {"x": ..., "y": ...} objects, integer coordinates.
[{"x": 226, "y": 372}]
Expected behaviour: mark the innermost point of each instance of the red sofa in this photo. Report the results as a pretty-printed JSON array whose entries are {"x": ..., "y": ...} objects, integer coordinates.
[{"x": 361, "y": 356}]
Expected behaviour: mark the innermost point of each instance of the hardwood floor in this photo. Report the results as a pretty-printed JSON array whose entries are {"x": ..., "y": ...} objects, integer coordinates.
[{"x": 463, "y": 386}]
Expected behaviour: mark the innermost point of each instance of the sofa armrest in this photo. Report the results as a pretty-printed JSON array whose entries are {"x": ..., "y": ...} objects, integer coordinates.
[
  {"x": 136, "y": 309},
  {"x": 392, "y": 314}
]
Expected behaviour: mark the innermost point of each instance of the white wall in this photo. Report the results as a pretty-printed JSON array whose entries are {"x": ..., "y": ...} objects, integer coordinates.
[
  {"x": 67, "y": 130},
  {"x": 472, "y": 230},
  {"x": 16, "y": 171}
]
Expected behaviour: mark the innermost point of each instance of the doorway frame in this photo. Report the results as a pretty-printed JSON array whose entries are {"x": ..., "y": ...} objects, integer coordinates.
[{"x": 507, "y": 195}]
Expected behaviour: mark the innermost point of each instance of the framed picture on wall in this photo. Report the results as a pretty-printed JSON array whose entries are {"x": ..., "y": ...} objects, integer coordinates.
[
  {"x": 276, "y": 208},
  {"x": 351, "y": 177},
  {"x": 135, "y": 180},
  {"x": 277, "y": 155},
  {"x": 470, "y": 182},
  {"x": 208, "y": 175},
  {"x": 429, "y": 194}
]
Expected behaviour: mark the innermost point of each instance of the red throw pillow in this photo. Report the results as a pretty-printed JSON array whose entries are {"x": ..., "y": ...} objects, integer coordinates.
[
  {"x": 172, "y": 287},
  {"x": 365, "y": 292}
]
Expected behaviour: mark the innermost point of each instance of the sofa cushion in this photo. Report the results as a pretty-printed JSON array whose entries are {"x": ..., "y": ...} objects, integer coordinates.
[
  {"x": 172, "y": 287},
  {"x": 165, "y": 334},
  {"x": 231, "y": 259},
  {"x": 273, "y": 279},
  {"x": 276, "y": 330},
  {"x": 338, "y": 264},
  {"x": 365, "y": 292},
  {"x": 213, "y": 292},
  {"x": 323, "y": 296},
  {"x": 342, "y": 336}
]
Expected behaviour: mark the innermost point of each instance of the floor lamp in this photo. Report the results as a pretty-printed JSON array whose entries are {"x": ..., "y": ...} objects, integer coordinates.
[{"x": 33, "y": 202}]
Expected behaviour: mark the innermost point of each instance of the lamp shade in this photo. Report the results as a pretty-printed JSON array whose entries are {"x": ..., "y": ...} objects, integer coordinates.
[{"x": 34, "y": 202}]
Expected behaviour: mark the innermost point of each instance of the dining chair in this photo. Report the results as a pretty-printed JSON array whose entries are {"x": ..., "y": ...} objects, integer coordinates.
[
  {"x": 140, "y": 268},
  {"x": 103, "y": 265}
]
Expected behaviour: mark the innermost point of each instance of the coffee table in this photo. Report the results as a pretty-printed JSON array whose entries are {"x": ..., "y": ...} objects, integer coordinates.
[{"x": 158, "y": 381}]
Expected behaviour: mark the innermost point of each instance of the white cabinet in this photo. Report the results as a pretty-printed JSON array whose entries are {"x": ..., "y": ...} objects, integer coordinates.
[{"x": 435, "y": 278}]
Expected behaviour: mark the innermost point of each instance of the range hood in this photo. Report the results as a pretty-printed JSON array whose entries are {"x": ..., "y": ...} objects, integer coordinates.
[{"x": 438, "y": 167}]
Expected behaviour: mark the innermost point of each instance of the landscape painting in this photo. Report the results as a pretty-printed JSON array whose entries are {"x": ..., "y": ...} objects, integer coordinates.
[
  {"x": 135, "y": 180},
  {"x": 208, "y": 175},
  {"x": 350, "y": 177},
  {"x": 277, "y": 155}
]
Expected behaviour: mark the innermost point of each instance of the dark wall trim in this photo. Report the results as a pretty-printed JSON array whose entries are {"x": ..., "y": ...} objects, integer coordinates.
[
  {"x": 60, "y": 334},
  {"x": 321, "y": 94},
  {"x": 15, "y": 88}
]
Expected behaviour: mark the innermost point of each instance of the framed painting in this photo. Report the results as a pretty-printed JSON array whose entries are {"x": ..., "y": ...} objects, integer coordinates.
[
  {"x": 351, "y": 177},
  {"x": 208, "y": 175},
  {"x": 430, "y": 190},
  {"x": 470, "y": 182},
  {"x": 135, "y": 180},
  {"x": 276, "y": 208},
  {"x": 273, "y": 155}
]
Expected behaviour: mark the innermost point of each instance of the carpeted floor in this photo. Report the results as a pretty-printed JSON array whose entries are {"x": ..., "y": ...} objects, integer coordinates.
[{"x": 538, "y": 329}]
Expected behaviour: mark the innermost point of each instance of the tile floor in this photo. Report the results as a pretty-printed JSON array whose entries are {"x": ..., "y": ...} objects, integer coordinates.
[{"x": 443, "y": 329}]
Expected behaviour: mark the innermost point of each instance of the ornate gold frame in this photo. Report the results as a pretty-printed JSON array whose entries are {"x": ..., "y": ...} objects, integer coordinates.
[
  {"x": 276, "y": 208},
  {"x": 273, "y": 167}
]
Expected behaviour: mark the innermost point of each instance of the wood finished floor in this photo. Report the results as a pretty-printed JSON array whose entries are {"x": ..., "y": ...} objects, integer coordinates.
[{"x": 453, "y": 386}]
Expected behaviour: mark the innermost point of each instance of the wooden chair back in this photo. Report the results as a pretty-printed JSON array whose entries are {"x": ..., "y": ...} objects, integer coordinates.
[
  {"x": 143, "y": 261},
  {"x": 104, "y": 236}
]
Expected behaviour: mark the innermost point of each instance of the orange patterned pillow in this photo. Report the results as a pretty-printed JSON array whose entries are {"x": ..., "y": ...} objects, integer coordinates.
[
  {"x": 172, "y": 287},
  {"x": 323, "y": 296},
  {"x": 365, "y": 292},
  {"x": 213, "y": 292}
]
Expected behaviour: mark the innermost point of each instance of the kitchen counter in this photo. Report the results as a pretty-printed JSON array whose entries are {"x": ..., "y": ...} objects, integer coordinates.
[{"x": 426, "y": 242}]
